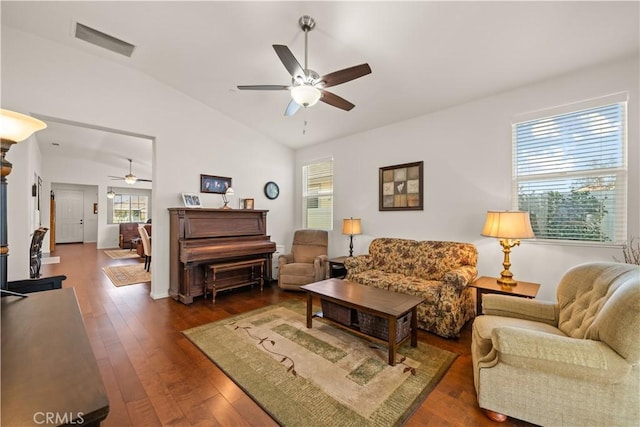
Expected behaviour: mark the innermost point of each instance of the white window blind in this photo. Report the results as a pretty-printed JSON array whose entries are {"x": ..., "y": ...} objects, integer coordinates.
[
  {"x": 317, "y": 195},
  {"x": 570, "y": 173}
]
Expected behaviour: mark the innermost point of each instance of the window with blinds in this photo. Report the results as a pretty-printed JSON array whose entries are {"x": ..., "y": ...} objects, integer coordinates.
[
  {"x": 570, "y": 173},
  {"x": 317, "y": 195}
]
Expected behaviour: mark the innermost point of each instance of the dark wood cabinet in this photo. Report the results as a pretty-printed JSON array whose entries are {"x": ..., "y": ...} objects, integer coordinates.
[
  {"x": 48, "y": 365},
  {"x": 201, "y": 237}
]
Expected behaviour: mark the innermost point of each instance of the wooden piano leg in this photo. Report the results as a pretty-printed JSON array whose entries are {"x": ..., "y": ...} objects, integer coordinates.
[
  {"x": 213, "y": 287},
  {"x": 261, "y": 275},
  {"x": 205, "y": 283}
]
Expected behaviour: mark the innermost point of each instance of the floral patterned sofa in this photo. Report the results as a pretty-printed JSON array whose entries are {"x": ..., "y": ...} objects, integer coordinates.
[{"x": 437, "y": 271}]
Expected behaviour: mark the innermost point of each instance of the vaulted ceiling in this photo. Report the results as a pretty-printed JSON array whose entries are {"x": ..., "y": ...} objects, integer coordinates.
[{"x": 424, "y": 56}]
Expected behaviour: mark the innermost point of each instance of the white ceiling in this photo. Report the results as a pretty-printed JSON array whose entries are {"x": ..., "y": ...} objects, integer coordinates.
[
  {"x": 113, "y": 149},
  {"x": 425, "y": 56}
]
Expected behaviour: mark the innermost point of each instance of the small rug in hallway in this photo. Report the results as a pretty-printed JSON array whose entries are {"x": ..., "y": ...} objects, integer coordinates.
[
  {"x": 122, "y": 253},
  {"x": 320, "y": 376},
  {"x": 130, "y": 274}
]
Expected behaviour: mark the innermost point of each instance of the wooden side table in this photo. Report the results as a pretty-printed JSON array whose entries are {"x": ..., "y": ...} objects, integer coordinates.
[
  {"x": 337, "y": 268},
  {"x": 490, "y": 285}
]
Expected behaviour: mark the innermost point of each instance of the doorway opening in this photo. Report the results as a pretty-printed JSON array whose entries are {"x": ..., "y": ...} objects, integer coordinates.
[{"x": 81, "y": 164}]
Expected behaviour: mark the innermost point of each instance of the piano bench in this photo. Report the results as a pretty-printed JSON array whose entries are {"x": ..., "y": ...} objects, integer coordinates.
[{"x": 211, "y": 276}]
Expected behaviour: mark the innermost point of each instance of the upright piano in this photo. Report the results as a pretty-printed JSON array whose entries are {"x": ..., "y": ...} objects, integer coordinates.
[{"x": 201, "y": 237}]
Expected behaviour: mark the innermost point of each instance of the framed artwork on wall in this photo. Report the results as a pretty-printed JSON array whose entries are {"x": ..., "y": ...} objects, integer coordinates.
[
  {"x": 214, "y": 184},
  {"x": 401, "y": 187}
]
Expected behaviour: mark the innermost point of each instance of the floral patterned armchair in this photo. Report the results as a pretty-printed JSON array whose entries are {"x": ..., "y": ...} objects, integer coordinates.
[{"x": 437, "y": 271}]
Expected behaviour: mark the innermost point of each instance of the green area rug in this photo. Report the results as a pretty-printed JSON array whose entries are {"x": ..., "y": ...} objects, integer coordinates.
[{"x": 320, "y": 376}]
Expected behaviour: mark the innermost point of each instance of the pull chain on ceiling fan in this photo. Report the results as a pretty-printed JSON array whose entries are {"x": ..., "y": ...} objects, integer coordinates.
[{"x": 307, "y": 86}]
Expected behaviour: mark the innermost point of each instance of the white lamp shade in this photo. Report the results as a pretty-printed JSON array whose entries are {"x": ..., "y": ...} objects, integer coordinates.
[
  {"x": 17, "y": 127},
  {"x": 351, "y": 226},
  {"x": 229, "y": 191},
  {"x": 305, "y": 95},
  {"x": 130, "y": 179},
  {"x": 111, "y": 194},
  {"x": 508, "y": 225}
]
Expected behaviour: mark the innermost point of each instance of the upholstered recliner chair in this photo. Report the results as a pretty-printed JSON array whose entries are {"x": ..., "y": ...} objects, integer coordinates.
[
  {"x": 576, "y": 362},
  {"x": 307, "y": 262}
]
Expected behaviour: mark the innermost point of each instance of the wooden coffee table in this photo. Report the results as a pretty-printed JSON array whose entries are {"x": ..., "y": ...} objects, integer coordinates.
[{"x": 367, "y": 299}]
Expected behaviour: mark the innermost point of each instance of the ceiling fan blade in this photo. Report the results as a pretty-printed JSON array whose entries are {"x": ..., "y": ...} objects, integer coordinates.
[
  {"x": 292, "y": 108},
  {"x": 263, "y": 87},
  {"x": 144, "y": 180},
  {"x": 343, "y": 76},
  {"x": 289, "y": 61},
  {"x": 116, "y": 177},
  {"x": 336, "y": 101}
]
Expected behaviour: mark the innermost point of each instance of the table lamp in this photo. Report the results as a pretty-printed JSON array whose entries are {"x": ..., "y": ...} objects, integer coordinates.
[
  {"x": 229, "y": 192},
  {"x": 509, "y": 227},
  {"x": 14, "y": 127},
  {"x": 351, "y": 226}
]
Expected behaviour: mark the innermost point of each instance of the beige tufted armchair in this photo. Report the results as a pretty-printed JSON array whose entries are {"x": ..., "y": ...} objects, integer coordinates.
[
  {"x": 575, "y": 362},
  {"x": 307, "y": 262}
]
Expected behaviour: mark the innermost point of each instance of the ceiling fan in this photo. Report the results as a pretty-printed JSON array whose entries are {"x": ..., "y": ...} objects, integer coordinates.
[
  {"x": 307, "y": 86},
  {"x": 130, "y": 178}
]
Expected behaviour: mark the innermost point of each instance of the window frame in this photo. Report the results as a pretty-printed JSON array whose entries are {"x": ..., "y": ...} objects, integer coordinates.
[
  {"x": 324, "y": 193},
  {"x": 131, "y": 193},
  {"x": 620, "y": 215}
]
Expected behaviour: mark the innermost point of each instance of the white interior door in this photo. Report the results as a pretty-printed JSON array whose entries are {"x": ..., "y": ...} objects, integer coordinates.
[{"x": 69, "y": 216}]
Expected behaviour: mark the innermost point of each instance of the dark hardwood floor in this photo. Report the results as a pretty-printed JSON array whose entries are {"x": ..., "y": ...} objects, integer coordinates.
[{"x": 155, "y": 376}]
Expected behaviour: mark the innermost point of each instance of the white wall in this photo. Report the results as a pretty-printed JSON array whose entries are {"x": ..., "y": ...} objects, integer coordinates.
[
  {"x": 467, "y": 170},
  {"x": 26, "y": 161},
  {"x": 190, "y": 138}
]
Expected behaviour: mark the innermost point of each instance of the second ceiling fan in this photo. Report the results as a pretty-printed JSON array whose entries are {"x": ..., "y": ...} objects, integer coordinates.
[
  {"x": 307, "y": 86},
  {"x": 130, "y": 178}
]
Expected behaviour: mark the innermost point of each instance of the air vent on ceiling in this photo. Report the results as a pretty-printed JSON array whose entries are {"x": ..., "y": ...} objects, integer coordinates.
[{"x": 103, "y": 40}]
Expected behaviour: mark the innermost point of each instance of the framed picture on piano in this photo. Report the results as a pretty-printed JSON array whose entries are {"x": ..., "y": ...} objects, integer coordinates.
[
  {"x": 248, "y": 204},
  {"x": 191, "y": 200}
]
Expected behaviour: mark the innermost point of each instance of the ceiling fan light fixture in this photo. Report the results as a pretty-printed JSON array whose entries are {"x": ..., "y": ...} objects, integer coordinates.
[
  {"x": 307, "y": 86},
  {"x": 130, "y": 179},
  {"x": 306, "y": 95}
]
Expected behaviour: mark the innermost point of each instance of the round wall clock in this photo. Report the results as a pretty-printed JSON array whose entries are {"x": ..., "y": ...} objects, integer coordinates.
[{"x": 271, "y": 190}]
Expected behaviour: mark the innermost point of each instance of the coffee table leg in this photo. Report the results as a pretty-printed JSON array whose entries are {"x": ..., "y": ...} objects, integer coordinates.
[
  {"x": 309, "y": 304},
  {"x": 414, "y": 326},
  {"x": 393, "y": 324}
]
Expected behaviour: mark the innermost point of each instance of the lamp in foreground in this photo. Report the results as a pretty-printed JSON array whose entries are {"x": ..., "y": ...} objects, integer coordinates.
[
  {"x": 509, "y": 227},
  {"x": 229, "y": 192},
  {"x": 351, "y": 226},
  {"x": 14, "y": 127}
]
